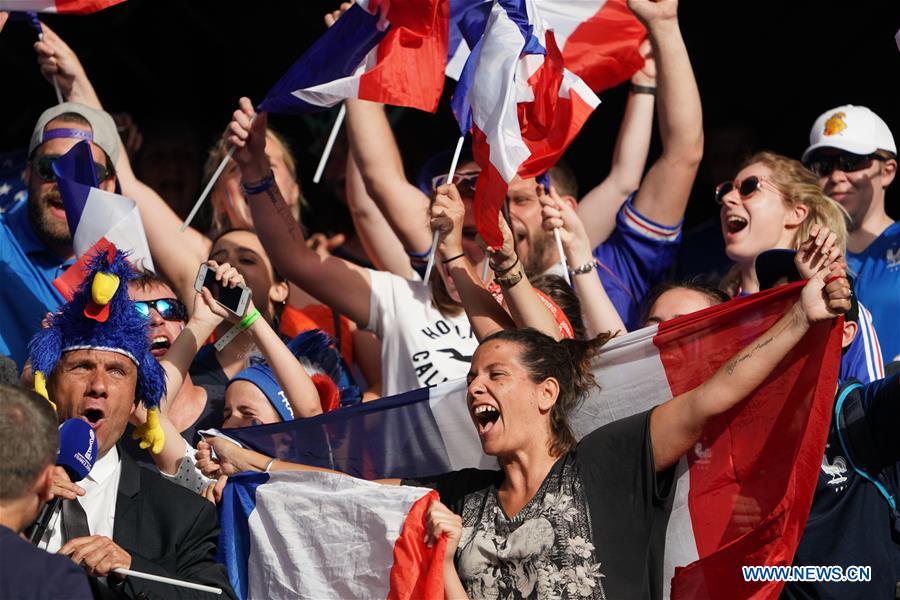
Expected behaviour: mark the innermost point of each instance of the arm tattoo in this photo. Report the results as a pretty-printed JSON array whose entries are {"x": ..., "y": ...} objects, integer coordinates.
[
  {"x": 732, "y": 364},
  {"x": 283, "y": 211}
]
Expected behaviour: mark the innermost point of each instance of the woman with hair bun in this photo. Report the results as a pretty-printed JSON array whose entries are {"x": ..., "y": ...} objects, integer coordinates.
[{"x": 565, "y": 518}]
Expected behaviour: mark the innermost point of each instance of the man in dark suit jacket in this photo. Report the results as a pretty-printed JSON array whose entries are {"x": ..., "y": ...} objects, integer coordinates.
[{"x": 95, "y": 353}]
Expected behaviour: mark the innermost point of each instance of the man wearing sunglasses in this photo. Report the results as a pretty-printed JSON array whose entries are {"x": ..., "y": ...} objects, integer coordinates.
[
  {"x": 35, "y": 242},
  {"x": 853, "y": 153}
]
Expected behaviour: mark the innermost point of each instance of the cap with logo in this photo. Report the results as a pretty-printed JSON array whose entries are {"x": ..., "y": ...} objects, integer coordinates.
[
  {"x": 850, "y": 128},
  {"x": 103, "y": 128}
]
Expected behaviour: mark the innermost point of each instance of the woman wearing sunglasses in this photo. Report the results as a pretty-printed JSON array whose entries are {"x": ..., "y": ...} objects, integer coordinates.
[{"x": 775, "y": 202}]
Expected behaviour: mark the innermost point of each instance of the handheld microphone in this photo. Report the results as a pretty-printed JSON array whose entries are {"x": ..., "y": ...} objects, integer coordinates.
[{"x": 77, "y": 454}]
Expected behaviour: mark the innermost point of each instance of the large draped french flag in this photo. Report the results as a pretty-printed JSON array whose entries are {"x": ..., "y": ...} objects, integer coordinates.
[
  {"x": 96, "y": 218},
  {"x": 63, "y": 7},
  {"x": 391, "y": 51},
  {"x": 521, "y": 104},
  {"x": 742, "y": 495}
]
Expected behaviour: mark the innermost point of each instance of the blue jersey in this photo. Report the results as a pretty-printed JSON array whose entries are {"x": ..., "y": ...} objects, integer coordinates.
[
  {"x": 877, "y": 273},
  {"x": 27, "y": 271},
  {"x": 862, "y": 360},
  {"x": 852, "y": 521},
  {"x": 634, "y": 258}
]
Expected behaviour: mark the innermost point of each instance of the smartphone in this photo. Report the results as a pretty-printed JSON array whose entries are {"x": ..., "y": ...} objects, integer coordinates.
[{"x": 233, "y": 299}]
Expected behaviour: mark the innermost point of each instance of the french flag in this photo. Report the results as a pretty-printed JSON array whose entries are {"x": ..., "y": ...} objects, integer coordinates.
[
  {"x": 63, "y": 7},
  {"x": 390, "y": 51},
  {"x": 520, "y": 102},
  {"x": 599, "y": 39},
  {"x": 96, "y": 218},
  {"x": 742, "y": 495},
  {"x": 319, "y": 535}
]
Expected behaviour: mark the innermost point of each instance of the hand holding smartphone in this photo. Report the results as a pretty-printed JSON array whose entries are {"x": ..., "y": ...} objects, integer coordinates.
[{"x": 234, "y": 299}]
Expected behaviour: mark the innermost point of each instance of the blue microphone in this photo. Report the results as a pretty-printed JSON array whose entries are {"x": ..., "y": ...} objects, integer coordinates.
[{"x": 77, "y": 455}]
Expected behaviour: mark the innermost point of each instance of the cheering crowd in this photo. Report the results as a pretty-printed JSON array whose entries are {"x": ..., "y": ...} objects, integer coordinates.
[{"x": 246, "y": 318}]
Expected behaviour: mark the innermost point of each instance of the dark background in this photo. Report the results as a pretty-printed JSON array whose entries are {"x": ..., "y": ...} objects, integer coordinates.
[{"x": 766, "y": 70}]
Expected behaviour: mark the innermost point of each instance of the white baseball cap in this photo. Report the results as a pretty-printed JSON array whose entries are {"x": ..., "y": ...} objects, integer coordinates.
[{"x": 850, "y": 128}]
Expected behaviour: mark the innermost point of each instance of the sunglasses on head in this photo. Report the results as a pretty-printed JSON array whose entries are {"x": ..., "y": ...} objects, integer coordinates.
[
  {"x": 465, "y": 182},
  {"x": 746, "y": 187},
  {"x": 43, "y": 167},
  {"x": 169, "y": 309},
  {"x": 825, "y": 165}
]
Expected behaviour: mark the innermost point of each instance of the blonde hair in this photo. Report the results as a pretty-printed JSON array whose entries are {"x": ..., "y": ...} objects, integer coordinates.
[
  {"x": 800, "y": 186},
  {"x": 217, "y": 153}
]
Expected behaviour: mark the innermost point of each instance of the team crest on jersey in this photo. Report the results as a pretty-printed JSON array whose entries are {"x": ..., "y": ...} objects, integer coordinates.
[
  {"x": 836, "y": 469},
  {"x": 835, "y": 124},
  {"x": 892, "y": 256}
]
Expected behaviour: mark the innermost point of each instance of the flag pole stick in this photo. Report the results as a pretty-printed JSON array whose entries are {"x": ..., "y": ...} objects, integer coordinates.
[
  {"x": 330, "y": 143},
  {"x": 59, "y": 96},
  {"x": 169, "y": 580},
  {"x": 562, "y": 255},
  {"x": 209, "y": 185},
  {"x": 434, "y": 238},
  {"x": 484, "y": 268}
]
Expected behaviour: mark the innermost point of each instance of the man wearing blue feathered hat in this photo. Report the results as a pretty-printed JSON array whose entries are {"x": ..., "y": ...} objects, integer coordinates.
[{"x": 92, "y": 362}]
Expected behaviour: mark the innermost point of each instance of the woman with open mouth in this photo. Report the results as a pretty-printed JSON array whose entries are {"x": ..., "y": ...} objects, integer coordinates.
[{"x": 567, "y": 518}]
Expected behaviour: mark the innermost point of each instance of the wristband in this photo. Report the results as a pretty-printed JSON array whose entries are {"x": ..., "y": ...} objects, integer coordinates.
[
  {"x": 249, "y": 319},
  {"x": 269, "y": 464},
  {"x": 419, "y": 255},
  {"x": 451, "y": 259},
  {"x": 251, "y": 188},
  {"x": 508, "y": 281},
  {"x": 232, "y": 333},
  {"x": 507, "y": 269},
  {"x": 643, "y": 89},
  {"x": 585, "y": 268}
]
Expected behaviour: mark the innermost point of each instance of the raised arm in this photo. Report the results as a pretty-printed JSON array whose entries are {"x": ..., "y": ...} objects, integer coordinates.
[
  {"x": 333, "y": 281},
  {"x": 598, "y": 208},
  {"x": 374, "y": 148},
  {"x": 664, "y": 192},
  {"x": 676, "y": 425},
  {"x": 382, "y": 245},
  {"x": 597, "y": 310}
]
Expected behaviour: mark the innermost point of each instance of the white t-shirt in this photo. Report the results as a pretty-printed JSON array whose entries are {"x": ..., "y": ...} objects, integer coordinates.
[{"x": 419, "y": 346}]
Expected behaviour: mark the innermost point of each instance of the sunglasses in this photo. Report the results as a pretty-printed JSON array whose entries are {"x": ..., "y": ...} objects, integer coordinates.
[
  {"x": 746, "y": 187},
  {"x": 823, "y": 165},
  {"x": 43, "y": 167},
  {"x": 464, "y": 182},
  {"x": 169, "y": 309}
]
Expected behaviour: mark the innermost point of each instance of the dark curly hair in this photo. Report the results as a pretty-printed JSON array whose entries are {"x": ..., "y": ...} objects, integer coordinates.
[{"x": 569, "y": 362}]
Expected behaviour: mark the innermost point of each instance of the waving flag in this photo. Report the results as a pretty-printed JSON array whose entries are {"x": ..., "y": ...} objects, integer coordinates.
[
  {"x": 385, "y": 51},
  {"x": 63, "y": 7},
  {"x": 96, "y": 218},
  {"x": 320, "y": 535},
  {"x": 522, "y": 105},
  {"x": 599, "y": 39},
  {"x": 743, "y": 494}
]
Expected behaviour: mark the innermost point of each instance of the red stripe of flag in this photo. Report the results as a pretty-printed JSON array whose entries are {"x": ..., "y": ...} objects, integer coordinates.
[
  {"x": 752, "y": 482},
  {"x": 418, "y": 571}
]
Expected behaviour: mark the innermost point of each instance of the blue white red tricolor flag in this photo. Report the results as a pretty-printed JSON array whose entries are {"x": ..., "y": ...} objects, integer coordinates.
[
  {"x": 63, "y": 7},
  {"x": 742, "y": 495},
  {"x": 319, "y": 535},
  {"x": 96, "y": 217},
  {"x": 599, "y": 39},
  {"x": 385, "y": 51},
  {"x": 520, "y": 102}
]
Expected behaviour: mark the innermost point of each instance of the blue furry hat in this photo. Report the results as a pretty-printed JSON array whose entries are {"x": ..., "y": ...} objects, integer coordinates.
[{"x": 101, "y": 316}]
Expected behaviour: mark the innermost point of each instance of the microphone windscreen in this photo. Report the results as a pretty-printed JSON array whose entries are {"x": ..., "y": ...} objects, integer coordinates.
[{"x": 77, "y": 448}]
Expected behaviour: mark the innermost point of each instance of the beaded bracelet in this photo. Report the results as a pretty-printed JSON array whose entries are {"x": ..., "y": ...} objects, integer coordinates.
[
  {"x": 252, "y": 188},
  {"x": 585, "y": 268}
]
